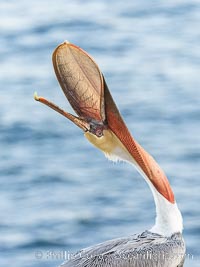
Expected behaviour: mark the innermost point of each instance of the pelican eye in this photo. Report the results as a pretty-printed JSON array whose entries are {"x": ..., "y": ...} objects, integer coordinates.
[{"x": 97, "y": 128}]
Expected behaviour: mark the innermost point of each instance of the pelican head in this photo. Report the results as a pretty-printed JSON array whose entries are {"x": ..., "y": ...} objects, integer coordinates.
[{"x": 98, "y": 116}]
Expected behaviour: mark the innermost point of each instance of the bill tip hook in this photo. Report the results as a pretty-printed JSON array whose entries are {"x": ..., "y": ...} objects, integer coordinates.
[{"x": 36, "y": 97}]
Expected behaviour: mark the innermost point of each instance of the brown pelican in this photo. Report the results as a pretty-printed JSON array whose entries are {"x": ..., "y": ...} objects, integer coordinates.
[{"x": 85, "y": 88}]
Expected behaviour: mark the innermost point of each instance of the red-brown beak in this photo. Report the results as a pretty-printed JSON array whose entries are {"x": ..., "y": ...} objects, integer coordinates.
[{"x": 85, "y": 88}]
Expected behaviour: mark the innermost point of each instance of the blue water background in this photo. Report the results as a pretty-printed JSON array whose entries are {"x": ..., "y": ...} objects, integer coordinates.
[{"x": 57, "y": 192}]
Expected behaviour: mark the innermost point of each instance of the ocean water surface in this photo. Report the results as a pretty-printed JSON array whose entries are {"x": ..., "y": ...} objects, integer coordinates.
[{"x": 59, "y": 194}]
